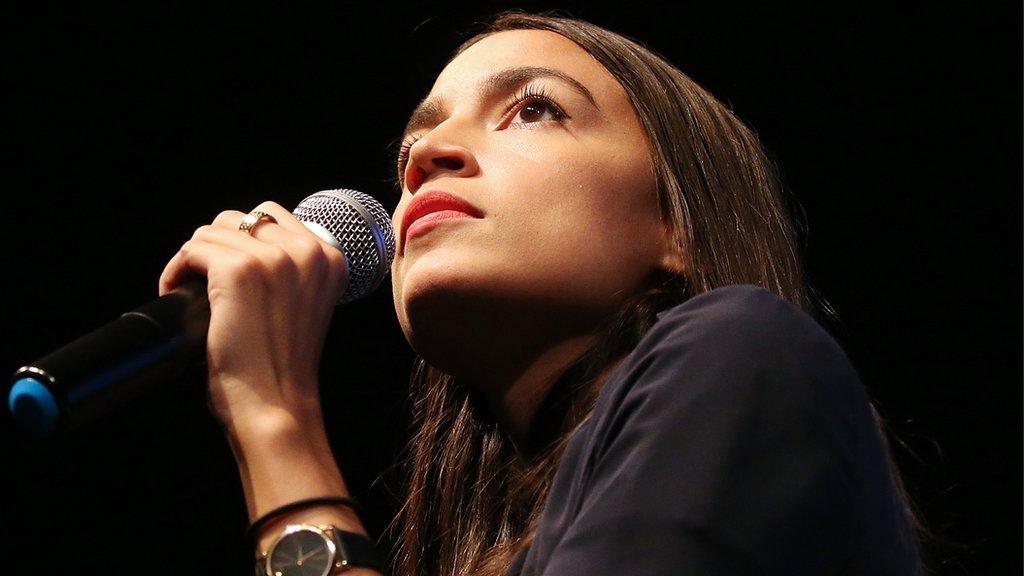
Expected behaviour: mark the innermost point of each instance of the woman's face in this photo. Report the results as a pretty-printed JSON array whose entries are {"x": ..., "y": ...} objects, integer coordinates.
[{"x": 543, "y": 143}]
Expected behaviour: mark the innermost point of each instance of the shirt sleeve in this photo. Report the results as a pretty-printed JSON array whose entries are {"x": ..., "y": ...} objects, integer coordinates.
[{"x": 731, "y": 448}]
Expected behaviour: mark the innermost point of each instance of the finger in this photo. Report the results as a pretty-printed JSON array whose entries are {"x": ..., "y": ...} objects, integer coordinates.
[
  {"x": 308, "y": 251},
  {"x": 172, "y": 274},
  {"x": 269, "y": 233},
  {"x": 302, "y": 241},
  {"x": 210, "y": 245},
  {"x": 229, "y": 219},
  {"x": 314, "y": 259},
  {"x": 268, "y": 229},
  {"x": 265, "y": 230},
  {"x": 233, "y": 220},
  {"x": 183, "y": 265},
  {"x": 281, "y": 216},
  {"x": 284, "y": 217},
  {"x": 299, "y": 257}
]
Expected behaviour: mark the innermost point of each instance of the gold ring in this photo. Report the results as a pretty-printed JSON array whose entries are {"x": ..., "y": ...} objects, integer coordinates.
[{"x": 250, "y": 220}]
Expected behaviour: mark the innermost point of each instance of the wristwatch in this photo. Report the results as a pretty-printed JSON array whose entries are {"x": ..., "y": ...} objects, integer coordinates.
[{"x": 307, "y": 550}]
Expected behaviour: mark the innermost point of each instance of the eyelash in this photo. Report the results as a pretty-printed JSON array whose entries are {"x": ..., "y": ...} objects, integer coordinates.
[
  {"x": 403, "y": 155},
  {"x": 529, "y": 94}
]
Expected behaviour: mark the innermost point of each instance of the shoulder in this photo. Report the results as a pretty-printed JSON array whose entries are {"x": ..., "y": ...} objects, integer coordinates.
[
  {"x": 739, "y": 348},
  {"x": 744, "y": 329},
  {"x": 741, "y": 315},
  {"x": 736, "y": 432}
]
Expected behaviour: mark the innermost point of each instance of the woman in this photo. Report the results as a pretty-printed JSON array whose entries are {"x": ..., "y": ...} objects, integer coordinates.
[{"x": 617, "y": 372}]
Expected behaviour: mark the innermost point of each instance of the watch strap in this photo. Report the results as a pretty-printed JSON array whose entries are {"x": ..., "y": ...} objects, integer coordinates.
[{"x": 355, "y": 550}]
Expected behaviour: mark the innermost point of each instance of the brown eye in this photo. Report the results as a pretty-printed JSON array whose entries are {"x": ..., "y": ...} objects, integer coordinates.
[
  {"x": 538, "y": 111},
  {"x": 533, "y": 112}
]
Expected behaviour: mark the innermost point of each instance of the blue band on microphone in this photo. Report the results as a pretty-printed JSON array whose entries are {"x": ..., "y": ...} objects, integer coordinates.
[{"x": 34, "y": 406}]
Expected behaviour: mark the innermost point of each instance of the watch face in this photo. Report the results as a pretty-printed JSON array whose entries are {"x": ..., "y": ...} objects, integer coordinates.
[{"x": 303, "y": 552}]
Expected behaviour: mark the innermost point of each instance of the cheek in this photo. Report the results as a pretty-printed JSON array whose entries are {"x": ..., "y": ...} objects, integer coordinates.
[
  {"x": 566, "y": 224},
  {"x": 595, "y": 197},
  {"x": 587, "y": 221}
]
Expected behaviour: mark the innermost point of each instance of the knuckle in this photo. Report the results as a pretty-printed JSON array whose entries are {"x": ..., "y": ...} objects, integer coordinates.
[
  {"x": 227, "y": 218},
  {"x": 201, "y": 232},
  {"x": 246, "y": 265},
  {"x": 268, "y": 206},
  {"x": 280, "y": 264},
  {"x": 319, "y": 265},
  {"x": 308, "y": 245},
  {"x": 336, "y": 262},
  {"x": 278, "y": 258},
  {"x": 334, "y": 267},
  {"x": 307, "y": 250}
]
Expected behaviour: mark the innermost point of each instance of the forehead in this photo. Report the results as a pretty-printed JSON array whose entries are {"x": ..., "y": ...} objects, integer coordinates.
[{"x": 514, "y": 48}]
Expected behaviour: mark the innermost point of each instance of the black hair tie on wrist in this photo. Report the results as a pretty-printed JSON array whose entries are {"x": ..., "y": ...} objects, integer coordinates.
[{"x": 252, "y": 532}]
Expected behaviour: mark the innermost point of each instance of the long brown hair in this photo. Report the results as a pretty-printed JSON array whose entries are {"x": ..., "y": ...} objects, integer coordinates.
[{"x": 473, "y": 497}]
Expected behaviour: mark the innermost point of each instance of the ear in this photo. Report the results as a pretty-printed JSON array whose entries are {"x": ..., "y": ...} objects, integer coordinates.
[
  {"x": 672, "y": 261},
  {"x": 671, "y": 257}
]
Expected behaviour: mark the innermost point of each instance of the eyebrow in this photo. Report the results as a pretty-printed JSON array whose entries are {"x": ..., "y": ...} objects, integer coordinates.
[{"x": 432, "y": 110}]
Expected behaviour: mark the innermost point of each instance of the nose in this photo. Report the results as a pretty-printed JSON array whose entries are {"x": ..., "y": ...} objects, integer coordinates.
[{"x": 435, "y": 154}]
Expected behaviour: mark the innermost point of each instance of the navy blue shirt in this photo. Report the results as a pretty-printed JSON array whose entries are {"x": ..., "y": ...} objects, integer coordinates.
[{"x": 736, "y": 438}]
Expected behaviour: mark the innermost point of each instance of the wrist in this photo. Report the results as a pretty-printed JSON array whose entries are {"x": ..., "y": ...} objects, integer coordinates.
[
  {"x": 318, "y": 548},
  {"x": 280, "y": 437},
  {"x": 275, "y": 425},
  {"x": 260, "y": 405},
  {"x": 282, "y": 460},
  {"x": 339, "y": 516}
]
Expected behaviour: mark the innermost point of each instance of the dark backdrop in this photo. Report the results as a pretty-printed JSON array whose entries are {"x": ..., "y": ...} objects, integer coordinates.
[{"x": 898, "y": 129}]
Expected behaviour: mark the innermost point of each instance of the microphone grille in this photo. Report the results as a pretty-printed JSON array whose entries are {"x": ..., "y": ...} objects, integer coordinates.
[{"x": 361, "y": 229}]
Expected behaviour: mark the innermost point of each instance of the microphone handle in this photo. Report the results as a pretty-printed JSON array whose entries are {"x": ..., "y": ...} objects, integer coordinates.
[{"x": 151, "y": 345}]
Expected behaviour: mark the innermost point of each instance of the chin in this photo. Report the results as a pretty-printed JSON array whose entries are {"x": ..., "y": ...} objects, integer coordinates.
[
  {"x": 438, "y": 302},
  {"x": 458, "y": 317}
]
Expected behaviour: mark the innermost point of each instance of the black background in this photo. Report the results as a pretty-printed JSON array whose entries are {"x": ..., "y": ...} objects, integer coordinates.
[{"x": 897, "y": 127}]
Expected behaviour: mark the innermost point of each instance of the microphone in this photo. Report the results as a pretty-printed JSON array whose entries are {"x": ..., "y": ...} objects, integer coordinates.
[{"x": 159, "y": 341}]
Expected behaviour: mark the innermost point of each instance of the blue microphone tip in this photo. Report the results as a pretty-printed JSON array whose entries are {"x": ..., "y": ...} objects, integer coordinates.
[{"x": 33, "y": 406}]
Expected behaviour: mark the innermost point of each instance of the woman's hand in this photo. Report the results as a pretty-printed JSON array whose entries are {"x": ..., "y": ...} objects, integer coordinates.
[{"x": 271, "y": 298}]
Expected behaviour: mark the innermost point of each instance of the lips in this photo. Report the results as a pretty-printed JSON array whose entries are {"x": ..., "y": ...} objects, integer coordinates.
[{"x": 425, "y": 203}]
